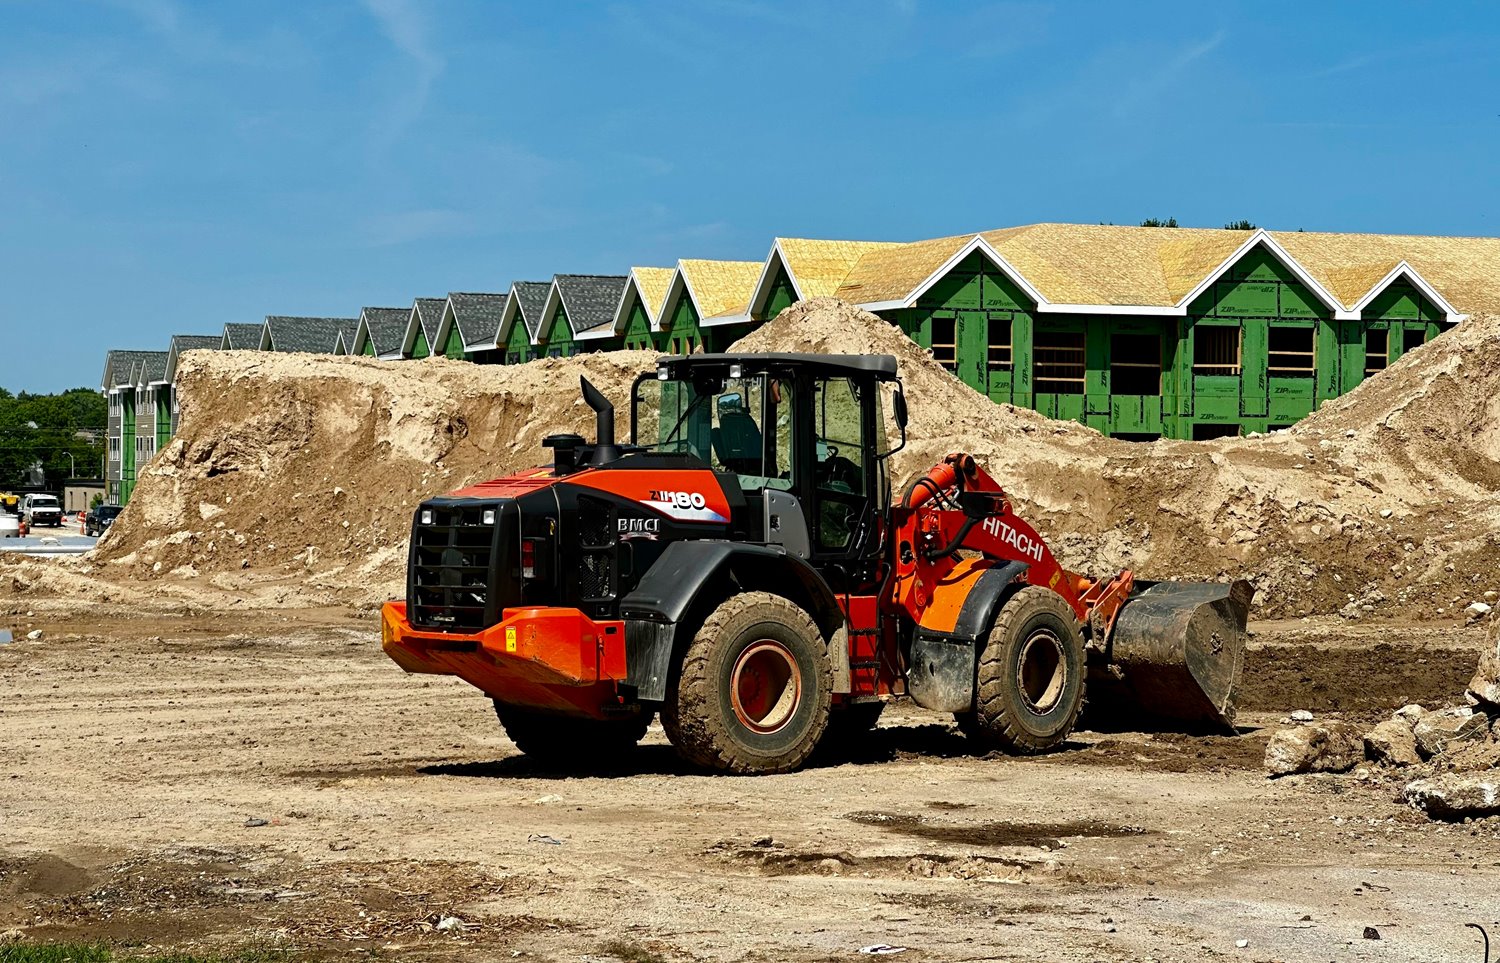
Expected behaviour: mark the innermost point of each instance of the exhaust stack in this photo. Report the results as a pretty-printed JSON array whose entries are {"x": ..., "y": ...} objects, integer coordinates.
[{"x": 605, "y": 450}]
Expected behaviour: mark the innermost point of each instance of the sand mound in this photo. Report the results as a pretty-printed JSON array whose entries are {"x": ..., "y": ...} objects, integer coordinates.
[
  {"x": 310, "y": 465},
  {"x": 1384, "y": 498},
  {"x": 293, "y": 478}
]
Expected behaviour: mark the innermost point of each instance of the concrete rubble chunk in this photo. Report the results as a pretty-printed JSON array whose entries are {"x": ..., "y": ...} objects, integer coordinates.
[
  {"x": 1477, "y": 610},
  {"x": 1410, "y": 714},
  {"x": 1315, "y": 747},
  {"x": 1456, "y": 796},
  {"x": 1391, "y": 743},
  {"x": 1438, "y": 730},
  {"x": 1472, "y": 757},
  {"x": 1485, "y": 686}
]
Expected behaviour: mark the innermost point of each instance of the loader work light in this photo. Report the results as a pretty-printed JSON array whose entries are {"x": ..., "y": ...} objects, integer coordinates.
[
  {"x": 488, "y": 516},
  {"x": 426, "y": 516}
]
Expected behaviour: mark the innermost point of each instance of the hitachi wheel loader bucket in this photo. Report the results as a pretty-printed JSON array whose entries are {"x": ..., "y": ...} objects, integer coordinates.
[{"x": 1180, "y": 648}]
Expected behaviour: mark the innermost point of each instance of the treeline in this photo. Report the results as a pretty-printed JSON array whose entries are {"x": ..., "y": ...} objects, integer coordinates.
[{"x": 44, "y": 429}]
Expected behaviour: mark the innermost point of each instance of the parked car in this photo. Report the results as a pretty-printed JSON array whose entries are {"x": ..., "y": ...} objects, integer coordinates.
[
  {"x": 98, "y": 520},
  {"x": 38, "y": 509}
]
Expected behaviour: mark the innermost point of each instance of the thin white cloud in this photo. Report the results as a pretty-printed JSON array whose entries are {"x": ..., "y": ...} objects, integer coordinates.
[
  {"x": 406, "y": 27},
  {"x": 1149, "y": 87}
]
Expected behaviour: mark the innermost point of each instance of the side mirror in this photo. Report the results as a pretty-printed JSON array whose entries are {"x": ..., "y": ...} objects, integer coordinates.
[{"x": 899, "y": 403}]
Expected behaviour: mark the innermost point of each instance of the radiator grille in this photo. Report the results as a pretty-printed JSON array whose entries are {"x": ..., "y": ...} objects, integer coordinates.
[
  {"x": 451, "y": 571},
  {"x": 596, "y": 543}
]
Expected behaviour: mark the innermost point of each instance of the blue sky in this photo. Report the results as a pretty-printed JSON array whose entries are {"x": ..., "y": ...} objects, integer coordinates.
[{"x": 168, "y": 166}]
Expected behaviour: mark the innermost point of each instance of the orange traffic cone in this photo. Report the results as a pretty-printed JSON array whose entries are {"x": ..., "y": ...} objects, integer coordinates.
[{"x": 83, "y": 523}]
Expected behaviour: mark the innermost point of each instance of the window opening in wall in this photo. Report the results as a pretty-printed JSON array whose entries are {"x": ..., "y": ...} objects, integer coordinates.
[
  {"x": 1412, "y": 338},
  {"x": 1290, "y": 352},
  {"x": 1203, "y": 432},
  {"x": 1377, "y": 350},
  {"x": 1000, "y": 351},
  {"x": 1216, "y": 350},
  {"x": 1059, "y": 362},
  {"x": 1137, "y": 435},
  {"x": 1135, "y": 364},
  {"x": 945, "y": 342}
]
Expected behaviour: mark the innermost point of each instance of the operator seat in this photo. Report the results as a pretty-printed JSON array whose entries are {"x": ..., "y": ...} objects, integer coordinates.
[{"x": 738, "y": 442}]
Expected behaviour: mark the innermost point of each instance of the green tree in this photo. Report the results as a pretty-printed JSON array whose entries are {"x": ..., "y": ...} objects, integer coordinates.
[
  {"x": 1158, "y": 222},
  {"x": 1239, "y": 226},
  {"x": 46, "y": 428}
]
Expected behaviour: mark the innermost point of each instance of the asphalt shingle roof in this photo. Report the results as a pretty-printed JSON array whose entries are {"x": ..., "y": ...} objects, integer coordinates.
[
  {"x": 430, "y": 315},
  {"x": 590, "y": 299},
  {"x": 196, "y": 342},
  {"x": 477, "y": 315},
  {"x": 313, "y": 335},
  {"x": 152, "y": 367},
  {"x": 242, "y": 335},
  {"x": 532, "y": 298},
  {"x": 122, "y": 367},
  {"x": 387, "y": 326},
  {"x": 347, "y": 328}
]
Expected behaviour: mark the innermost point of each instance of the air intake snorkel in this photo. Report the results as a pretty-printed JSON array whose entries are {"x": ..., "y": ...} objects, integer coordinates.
[{"x": 605, "y": 450}]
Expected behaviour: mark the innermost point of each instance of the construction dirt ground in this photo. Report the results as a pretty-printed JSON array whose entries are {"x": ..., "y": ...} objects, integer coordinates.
[{"x": 205, "y": 749}]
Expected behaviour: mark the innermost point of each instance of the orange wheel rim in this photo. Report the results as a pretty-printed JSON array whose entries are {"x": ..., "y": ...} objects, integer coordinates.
[{"x": 765, "y": 687}]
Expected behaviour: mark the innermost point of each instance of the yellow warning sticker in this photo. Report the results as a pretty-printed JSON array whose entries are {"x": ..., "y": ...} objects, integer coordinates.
[
  {"x": 510, "y": 638},
  {"x": 1056, "y": 576}
]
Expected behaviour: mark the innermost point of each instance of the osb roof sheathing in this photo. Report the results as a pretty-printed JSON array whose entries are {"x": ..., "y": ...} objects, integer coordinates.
[
  {"x": 1116, "y": 265},
  {"x": 721, "y": 288},
  {"x": 652, "y": 284},
  {"x": 1464, "y": 270},
  {"x": 820, "y": 267}
]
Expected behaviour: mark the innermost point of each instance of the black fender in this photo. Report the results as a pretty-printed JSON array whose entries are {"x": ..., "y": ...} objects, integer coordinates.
[
  {"x": 691, "y": 577},
  {"x": 942, "y": 666}
]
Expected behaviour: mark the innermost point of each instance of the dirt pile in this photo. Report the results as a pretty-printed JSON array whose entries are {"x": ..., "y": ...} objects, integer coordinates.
[
  {"x": 293, "y": 477},
  {"x": 310, "y": 466},
  {"x": 1384, "y": 498}
]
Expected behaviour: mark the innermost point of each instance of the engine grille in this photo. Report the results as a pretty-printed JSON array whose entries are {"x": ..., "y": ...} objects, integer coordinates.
[
  {"x": 452, "y": 561},
  {"x": 596, "y": 543}
]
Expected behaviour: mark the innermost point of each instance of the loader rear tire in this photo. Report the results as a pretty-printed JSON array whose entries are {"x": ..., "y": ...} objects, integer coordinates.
[
  {"x": 752, "y": 692},
  {"x": 1029, "y": 684},
  {"x": 562, "y": 741}
]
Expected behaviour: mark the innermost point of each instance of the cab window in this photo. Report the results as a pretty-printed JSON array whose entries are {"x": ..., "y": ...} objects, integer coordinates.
[{"x": 839, "y": 470}]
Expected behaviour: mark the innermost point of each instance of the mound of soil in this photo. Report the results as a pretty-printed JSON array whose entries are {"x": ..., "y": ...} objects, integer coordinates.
[
  {"x": 1384, "y": 498},
  {"x": 301, "y": 472}
]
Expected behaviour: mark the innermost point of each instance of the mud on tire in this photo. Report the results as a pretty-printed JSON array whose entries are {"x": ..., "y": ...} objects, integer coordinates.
[
  {"x": 558, "y": 741},
  {"x": 753, "y": 688},
  {"x": 1030, "y": 676}
]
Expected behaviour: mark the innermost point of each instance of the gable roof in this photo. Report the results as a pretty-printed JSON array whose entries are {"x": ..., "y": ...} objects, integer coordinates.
[
  {"x": 477, "y": 315},
  {"x": 241, "y": 336},
  {"x": 284, "y": 333},
  {"x": 120, "y": 368},
  {"x": 150, "y": 369},
  {"x": 383, "y": 328},
  {"x": 590, "y": 300},
  {"x": 529, "y": 298},
  {"x": 188, "y": 342},
  {"x": 348, "y": 327},
  {"x": 646, "y": 284},
  {"x": 719, "y": 289},
  {"x": 815, "y": 267},
  {"x": 426, "y": 315}
]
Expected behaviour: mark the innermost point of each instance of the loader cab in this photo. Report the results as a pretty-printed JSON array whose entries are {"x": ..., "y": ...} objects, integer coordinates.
[{"x": 802, "y": 436}]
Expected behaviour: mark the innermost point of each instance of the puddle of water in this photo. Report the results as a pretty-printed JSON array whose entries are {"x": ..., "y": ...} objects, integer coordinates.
[{"x": 6, "y": 637}]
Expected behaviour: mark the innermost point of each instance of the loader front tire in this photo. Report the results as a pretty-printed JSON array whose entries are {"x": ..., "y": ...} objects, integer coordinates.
[
  {"x": 1029, "y": 681},
  {"x": 568, "y": 741},
  {"x": 752, "y": 692}
]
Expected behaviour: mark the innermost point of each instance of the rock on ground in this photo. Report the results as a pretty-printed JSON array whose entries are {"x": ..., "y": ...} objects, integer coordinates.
[
  {"x": 1485, "y": 686},
  {"x": 1320, "y": 747},
  {"x": 1438, "y": 730},
  {"x": 1392, "y": 743},
  {"x": 1456, "y": 796}
]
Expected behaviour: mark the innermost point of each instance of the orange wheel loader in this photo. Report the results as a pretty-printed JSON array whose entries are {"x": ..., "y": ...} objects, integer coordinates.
[{"x": 741, "y": 568}]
